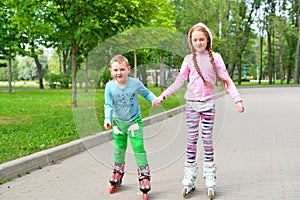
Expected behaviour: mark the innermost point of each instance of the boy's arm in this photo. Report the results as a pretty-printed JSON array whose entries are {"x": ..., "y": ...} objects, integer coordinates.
[
  {"x": 108, "y": 108},
  {"x": 146, "y": 93}
]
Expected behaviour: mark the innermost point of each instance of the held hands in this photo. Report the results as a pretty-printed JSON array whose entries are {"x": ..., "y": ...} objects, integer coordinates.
[
  {"x": 240, "y": 106},
  {"x": 158, "y": 100}
]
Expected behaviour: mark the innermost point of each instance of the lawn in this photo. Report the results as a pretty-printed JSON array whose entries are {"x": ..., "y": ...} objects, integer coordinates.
[{"x": 34, "y": 120}]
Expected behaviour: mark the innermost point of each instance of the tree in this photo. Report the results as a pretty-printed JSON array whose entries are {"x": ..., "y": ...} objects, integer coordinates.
[
  {"x": 296, "y": 71},
  {"x": 81, "y": 25},
  {"x": 30, "y": 19},
  {"x": 11, "y": 38}
]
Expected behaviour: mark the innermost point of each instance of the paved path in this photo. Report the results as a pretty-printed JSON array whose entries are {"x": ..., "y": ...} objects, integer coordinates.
[{"x": 257, "y": 154}]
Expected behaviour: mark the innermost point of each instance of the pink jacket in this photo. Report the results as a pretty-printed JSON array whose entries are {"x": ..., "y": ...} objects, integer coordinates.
[{"x": 196, "y": 89}]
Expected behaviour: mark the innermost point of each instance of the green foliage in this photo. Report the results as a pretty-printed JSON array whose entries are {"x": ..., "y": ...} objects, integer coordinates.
[
  {"x": 54, "y": 80},
  {"x": 104, "y": 78},
  {"x": 26, "y": 129}
]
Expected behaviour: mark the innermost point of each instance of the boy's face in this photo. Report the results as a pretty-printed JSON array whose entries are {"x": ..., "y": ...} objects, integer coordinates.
[{"x": 119, "y": 71}]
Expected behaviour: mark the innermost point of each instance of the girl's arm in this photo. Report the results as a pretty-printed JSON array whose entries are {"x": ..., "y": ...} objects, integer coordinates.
[
  {"x": 180, "y": 79},
  {"x": 223, "y": 73},
  {"x": 231, "y": 88}
]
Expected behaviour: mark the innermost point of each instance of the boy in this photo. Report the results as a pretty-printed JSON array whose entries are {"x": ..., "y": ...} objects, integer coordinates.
[{"x": 122, "y": 114}]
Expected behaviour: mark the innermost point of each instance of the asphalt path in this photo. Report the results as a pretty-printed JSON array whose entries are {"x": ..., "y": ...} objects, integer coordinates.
[{"x": 256, "y": 152}]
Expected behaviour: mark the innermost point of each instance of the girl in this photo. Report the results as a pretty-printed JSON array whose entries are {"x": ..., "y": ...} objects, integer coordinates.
[{"x": 203, "y": 67}]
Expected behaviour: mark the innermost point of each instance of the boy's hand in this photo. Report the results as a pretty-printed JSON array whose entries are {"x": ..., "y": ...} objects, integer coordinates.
[
  {"x": 107, "y": 125},
  {"x": 158, "y": 100},
  {"x": 240, "y": 106}
]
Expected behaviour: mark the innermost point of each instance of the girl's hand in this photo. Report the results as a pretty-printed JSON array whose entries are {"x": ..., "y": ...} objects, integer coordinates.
[
  {"x": 107, "y": 125},
  {"x": 240, "y": 106},
  {"x": 158, "y": 100}
]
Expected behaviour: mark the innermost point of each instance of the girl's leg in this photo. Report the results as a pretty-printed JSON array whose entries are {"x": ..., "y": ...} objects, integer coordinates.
[
  {"x": 207, "y": 119},
  {"x": 209, "y": 167},
  {"x": 190, "y": 166},
  {"x": 192, "y": 121}
]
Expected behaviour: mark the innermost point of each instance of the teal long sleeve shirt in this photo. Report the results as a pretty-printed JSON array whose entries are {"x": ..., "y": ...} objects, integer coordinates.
[{"x": 122, "y": 103}]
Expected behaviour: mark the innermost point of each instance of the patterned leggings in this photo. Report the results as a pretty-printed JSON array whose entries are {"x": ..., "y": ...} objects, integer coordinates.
[{"x": 192, "y": 120}]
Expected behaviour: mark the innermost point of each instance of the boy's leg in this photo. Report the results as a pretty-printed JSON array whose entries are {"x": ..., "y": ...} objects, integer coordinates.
[
  {"x": 120, "y": 142},
  {"x": 136, "y": 136}
]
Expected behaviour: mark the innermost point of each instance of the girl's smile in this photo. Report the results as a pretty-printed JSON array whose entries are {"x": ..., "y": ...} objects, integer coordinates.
[{"x": 199, "y": 41}]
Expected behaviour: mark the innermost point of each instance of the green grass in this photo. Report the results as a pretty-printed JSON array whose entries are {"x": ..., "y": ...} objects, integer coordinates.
[
  {"x": 35, "y": 120},
  {"x": 265, "y": 83}
]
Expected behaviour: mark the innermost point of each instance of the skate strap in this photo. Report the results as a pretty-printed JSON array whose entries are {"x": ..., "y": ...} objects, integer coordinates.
[{"x": 144, "y": 176}]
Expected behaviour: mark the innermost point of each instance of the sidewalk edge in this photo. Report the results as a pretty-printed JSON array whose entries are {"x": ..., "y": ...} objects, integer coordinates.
[{"x": 27, "y": 164}]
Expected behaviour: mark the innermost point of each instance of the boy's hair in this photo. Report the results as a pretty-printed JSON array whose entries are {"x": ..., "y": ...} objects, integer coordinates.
[{"x": 120, "y": 59}]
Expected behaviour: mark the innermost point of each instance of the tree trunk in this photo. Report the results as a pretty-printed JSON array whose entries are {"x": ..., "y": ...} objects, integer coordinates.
[
  {"x": 86, "y": 74},
  {"x": 162, "y": 73},
  {"x": 65, "y": 53},
  {"x": 270, "y": 57},
  {"x": 231, "y": 73},
  {"x": 74, "y": 80},
  {"x": 144, "y": 75},
  {"x": 9, "y": 76},
  {"x": 227, "y": 34},
  {"x": 296, "y": 71},
  {"x": 239, "y": 69},
  {"x": 280, "y": 57},
  {"x": 39, "y": 69},
  {"x": 261, "y": 59},
  {"x": 135, "y": 64}
]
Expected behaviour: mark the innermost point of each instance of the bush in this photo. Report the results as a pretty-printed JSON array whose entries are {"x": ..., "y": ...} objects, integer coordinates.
[{"x": 54, "y": 80}]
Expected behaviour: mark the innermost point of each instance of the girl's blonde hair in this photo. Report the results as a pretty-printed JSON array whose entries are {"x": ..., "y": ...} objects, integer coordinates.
[{"x": 210, "y": 53}]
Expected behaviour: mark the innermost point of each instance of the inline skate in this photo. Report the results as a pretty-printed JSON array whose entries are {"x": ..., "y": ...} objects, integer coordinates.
[
  {"x": 144, "y": 181},
  {"x": 190, "y": 175},
  {"x": 209, "y": 175},
  {"x": 117, "y": 176}
]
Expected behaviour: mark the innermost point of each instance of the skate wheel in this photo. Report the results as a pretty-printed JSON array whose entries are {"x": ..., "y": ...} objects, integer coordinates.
[
  {"x": 210, "y": 193},
  {"x": 111, "y": 189},
  {"x": 184, "y": 193},
  {"x": 145, "y": 196}
]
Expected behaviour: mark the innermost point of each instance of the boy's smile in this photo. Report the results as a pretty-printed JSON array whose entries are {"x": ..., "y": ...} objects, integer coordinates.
[{"x": 120, "y": 72}]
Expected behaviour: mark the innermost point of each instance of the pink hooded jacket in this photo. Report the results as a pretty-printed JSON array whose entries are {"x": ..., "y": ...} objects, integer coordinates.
[{"x": 196, "y": 89}]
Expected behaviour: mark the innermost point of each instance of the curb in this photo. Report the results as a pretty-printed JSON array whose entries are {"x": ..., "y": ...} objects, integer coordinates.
[{"x": 27, "y": 164}]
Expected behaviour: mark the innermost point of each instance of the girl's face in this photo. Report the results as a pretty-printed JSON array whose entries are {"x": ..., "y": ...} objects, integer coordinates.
[
  {"x": 120, "y": 72},
  {"x": 199, "y": 41}
]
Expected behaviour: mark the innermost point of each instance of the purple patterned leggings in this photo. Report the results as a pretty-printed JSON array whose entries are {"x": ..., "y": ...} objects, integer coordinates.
[{"x": 192, "y": 120}]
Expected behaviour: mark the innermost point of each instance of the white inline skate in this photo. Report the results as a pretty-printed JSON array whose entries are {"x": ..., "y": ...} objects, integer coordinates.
[
  {"x": 190, "y": 174},
  {"x": 209, "y": 175}
]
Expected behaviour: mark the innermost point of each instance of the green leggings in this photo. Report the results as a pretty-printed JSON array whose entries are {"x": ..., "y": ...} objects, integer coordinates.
[{"x": 120, "y": 133}]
